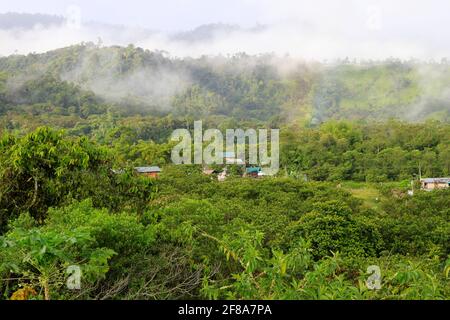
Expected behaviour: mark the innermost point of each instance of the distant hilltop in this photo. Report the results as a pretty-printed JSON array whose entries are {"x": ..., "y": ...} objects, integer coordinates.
[
  {"x": 266, "y": 88},
  {"x": 13, "y": 20}
]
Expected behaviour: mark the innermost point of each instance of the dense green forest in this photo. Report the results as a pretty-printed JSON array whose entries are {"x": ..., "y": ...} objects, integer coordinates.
[
  {"x": 85, "y": 80},
  {"x": 354, "y": 138}
]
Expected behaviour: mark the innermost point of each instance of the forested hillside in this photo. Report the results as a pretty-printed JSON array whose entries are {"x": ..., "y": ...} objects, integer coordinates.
[
  {"x": 355, "y": 137},
  {"x": 87, "y": 79},
  {"x": 186, "y": 235}
]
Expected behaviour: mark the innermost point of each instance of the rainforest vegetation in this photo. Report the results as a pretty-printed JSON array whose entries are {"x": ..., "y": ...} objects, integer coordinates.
[{"x": 355, "y": 137}]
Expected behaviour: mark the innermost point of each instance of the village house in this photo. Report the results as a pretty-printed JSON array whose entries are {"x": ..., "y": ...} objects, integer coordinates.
[
  {"x": 151, "y": 172},
  {"x": 254, "y": 172},
  {"x": 435, "y": 183}
]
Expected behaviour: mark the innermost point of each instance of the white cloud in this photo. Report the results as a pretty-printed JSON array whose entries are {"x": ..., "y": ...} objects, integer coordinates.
[{"x": 322, "y": 29}]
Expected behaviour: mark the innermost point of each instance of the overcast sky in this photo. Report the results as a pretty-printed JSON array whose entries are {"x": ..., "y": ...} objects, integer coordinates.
[
  {"x": 173, "y": 15},
  {"x": 403, "y": 28}
]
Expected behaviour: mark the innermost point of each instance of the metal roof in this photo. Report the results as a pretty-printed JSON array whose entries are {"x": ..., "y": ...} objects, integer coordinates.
[
  {"x": 147, "y": 169},
  {"x": 435, "y": 180},
  {"x": 253, "y": 170}
]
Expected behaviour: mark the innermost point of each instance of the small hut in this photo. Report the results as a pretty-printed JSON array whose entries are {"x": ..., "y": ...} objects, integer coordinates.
[
  {"x": 151, "y": 172},
  {"x": 254, "y": 172},
  {"x": 435, "y": 183}
]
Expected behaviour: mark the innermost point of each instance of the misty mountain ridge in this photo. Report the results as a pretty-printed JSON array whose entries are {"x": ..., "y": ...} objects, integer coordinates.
[
  {"x": 263, "y": 87},
  {"x": 244, "y": 86},
  {"x": 14, "y": 20},
  {"x": 305, "y": 39},
  {"x": 206, "y": 32}
]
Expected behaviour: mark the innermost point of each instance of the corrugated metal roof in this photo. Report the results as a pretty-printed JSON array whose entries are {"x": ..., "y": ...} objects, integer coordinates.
[{"x": 147, "y": 169}]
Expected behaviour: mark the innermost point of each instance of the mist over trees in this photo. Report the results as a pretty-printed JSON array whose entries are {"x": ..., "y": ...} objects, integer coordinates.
[
  {"x": 355, "y": 137},
  {"x": 265, "y": 87}
]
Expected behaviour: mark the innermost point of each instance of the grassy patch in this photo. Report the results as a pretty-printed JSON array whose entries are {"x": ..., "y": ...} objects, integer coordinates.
[{"x": 367, "y": 192}]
